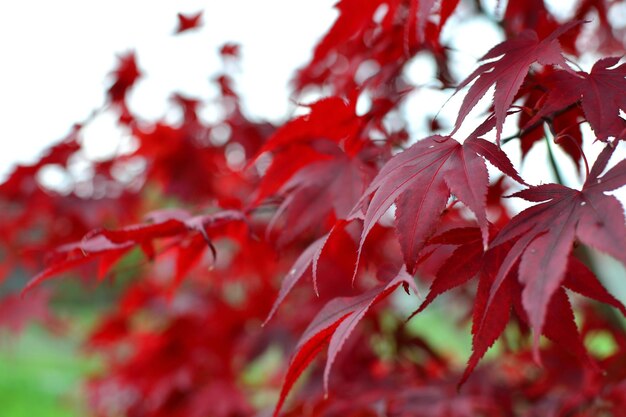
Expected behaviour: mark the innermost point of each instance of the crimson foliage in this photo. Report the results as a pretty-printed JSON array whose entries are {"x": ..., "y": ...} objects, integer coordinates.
[{"x": 221, "y": 289}]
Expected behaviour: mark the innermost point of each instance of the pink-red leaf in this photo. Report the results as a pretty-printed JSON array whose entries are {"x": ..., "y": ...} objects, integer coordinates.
[
  {"x": 545, "y": 234},
  {"x": 333, "y": 324},
  {"x": 506, "y": 67},
  {"x": 581, "y": 280},
  {"x": 296, "y": 272},
  {"x": 420, "y": 180},
  {"x": 602, "y": 94}
]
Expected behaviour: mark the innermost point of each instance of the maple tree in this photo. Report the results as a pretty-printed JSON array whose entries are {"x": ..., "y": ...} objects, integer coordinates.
[{"x": 356, "y": 204}]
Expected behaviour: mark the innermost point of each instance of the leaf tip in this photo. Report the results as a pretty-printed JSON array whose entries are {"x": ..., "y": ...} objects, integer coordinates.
[
  {"x": 270, "y": 314},
  {"x": 535, "y": 349}
]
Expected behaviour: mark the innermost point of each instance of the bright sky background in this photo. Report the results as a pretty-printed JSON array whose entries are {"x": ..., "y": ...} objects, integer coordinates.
[{"x": 56, "y": 56}]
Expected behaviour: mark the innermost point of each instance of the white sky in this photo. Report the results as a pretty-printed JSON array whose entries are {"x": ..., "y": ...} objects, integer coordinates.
[{"x": 55, "y": 57}]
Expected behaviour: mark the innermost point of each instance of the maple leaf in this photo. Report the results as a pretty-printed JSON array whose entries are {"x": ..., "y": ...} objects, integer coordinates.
[
  {"x": 73, "y": 255},
  {"x": 354, "y": 17},
  {"x": 602, "y": 94},
  {"x": 336, "y": 243},
  {"x": 582, "y": 280},
  {"x": 385, "y": 32},
  {"x": 489, "y": 320},
  {"x": 125, "y": 76},
  {"x": 565, "y": 127},
  {"x": 609, "y": 41},
  {"x": 461, "y": 266},
  {"x": 188, "y": 21},
  {"x": 320, "y": 168},
  {"x": 332, "y": 118},
  {"x": 232, "y": 50},
  {"x": 493, "y": 310},
  {"x": 108, "y": 246},
  {"x": 506, "y": 67},
  {"x": 534, "y": 15},
  {"x": 564, "y": 124},
  {"x": 333, "y": 324},
  {"x": 421, "y": 10},
  {"x": 300, "y": 266},
  {"x": 23, "y": 177},
  {"x": 327, "y": 186},
  {"x": 545, "y": 234},
  {"x": 420, "y": 180}
]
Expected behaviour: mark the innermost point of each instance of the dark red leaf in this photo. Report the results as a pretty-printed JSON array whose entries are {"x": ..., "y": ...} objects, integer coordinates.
[
  {"x": 545, "y": 234},
  {"x": 124, "y": 77},
  {"x": 581, "y": 280},
  {"x": 463, "y": 264},
  {"x": 420, "y": 180},
  {"x": 602, "y": 93},
  {"x": 296, "y": 272},
  {"x": 333, "y": 324},
  {"x": 506, "y": 67}
]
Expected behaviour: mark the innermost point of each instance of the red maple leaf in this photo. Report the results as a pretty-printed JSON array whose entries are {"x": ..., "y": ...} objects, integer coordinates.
[
  {"x": 394, "y": 30},
  {"x": 331, "y": 118},
  {"x": 602, "y": 94},
  {"x": 327, "y": 186},
  {"x": 108, "y": 246},
  {"x": 231, "y": 50},
  {"x": 321, "y": 166},
  {"x": 420, "y": 181},
  {"x": 490, "y": 319},
  {"x": 125, "y": 76},
  {"x": 188, "y": 21},
  {"x": 506, "y": 67},
  {"x": 333, "y": 325},
  {"x": 545, "y": 234}
]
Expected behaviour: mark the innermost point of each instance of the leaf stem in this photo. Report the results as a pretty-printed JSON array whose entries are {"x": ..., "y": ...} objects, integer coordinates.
[
  {"x": 551, "y": 158},
  {"x": 582, "y": 154}
]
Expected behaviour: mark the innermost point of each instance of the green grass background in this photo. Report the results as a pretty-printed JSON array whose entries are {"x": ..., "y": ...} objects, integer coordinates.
[{"x": 41, "y": 373}]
